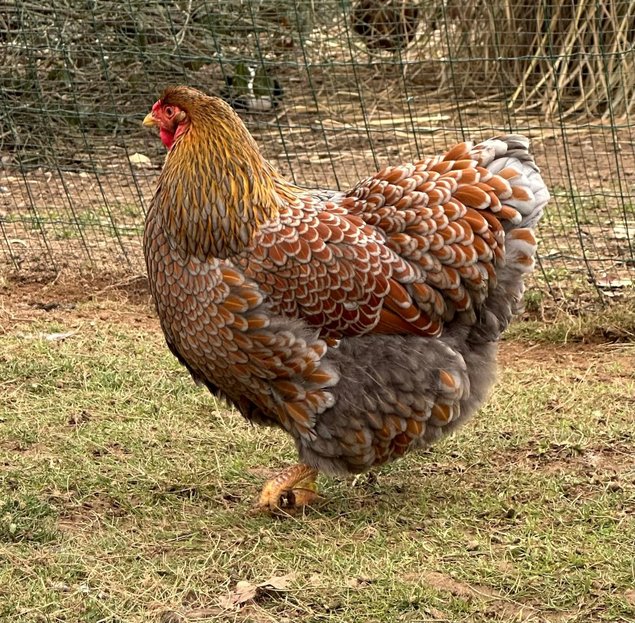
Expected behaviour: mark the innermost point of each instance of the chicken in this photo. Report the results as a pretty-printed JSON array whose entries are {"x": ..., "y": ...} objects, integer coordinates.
[
  {"x": 363, "y": 323},
  {"x": 251, "y": 89},
  {"x": 385, "y": 25}
]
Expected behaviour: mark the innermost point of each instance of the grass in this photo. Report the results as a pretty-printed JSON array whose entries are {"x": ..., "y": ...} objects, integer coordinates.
[
  {"x": 119, "y": 220},
  {"x": 614, "y": 323},
  {"x": 125, "y": 493}
]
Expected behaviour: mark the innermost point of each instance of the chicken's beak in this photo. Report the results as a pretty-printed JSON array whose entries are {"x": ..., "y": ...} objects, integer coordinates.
[{"x": 149, "y": 120}]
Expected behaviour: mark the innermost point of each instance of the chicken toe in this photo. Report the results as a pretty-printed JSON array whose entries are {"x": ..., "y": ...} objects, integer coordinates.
[{"x": 291, "y": 490}]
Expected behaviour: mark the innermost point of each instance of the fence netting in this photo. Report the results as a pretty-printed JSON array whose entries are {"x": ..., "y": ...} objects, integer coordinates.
[{"x": 332, "y": 90}]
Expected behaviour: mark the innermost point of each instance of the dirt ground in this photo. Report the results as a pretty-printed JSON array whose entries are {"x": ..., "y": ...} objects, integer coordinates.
[{"x": 128, "y": 301}]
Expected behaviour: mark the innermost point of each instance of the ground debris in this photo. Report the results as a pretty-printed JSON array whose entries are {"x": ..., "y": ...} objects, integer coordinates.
[{"x": 245, "y": 591}]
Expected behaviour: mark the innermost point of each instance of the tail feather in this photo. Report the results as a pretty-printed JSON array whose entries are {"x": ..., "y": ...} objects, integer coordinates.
[{"x": 509, "y": 157}]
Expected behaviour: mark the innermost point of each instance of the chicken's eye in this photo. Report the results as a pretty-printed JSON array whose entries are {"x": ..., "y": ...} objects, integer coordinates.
[{"x": 169, "y": 111}]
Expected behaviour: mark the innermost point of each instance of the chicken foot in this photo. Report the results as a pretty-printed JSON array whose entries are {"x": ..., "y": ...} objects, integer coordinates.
[{"x": 291, "y": 490}]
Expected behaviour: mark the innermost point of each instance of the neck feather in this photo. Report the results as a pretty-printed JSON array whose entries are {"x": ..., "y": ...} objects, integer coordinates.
[{"x": 216, "y": 190}]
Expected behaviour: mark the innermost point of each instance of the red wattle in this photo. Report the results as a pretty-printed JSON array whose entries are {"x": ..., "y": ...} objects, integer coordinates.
[{"x": 167, "y": 137}]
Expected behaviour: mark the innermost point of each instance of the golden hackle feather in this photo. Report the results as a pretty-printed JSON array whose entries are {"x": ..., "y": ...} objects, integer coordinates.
[{"x": 216, "y": 190}]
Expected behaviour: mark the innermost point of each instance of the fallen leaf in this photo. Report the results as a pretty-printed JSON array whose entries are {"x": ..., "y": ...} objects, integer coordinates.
[
  {"x": 246, "y": 591},
  {"x": 278, "y": 582},
  {"x": 56, "y": 337}
]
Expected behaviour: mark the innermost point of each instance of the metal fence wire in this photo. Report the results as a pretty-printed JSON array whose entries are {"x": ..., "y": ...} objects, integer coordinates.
[{"x": 332, "y": 90}]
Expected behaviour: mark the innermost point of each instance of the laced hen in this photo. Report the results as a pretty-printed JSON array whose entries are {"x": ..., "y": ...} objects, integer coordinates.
[{"x": 364, "y": 323}]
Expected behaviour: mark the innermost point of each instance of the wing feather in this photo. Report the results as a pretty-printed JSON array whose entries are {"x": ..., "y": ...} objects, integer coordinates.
[{"x": 404, "y": 251}]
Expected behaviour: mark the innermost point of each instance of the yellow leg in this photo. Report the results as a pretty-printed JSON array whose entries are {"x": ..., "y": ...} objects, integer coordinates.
[{"x": 291, "y": 490}]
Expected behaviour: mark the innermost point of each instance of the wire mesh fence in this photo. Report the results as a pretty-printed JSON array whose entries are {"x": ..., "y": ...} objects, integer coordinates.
[{"x": 332, "y": 90}]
